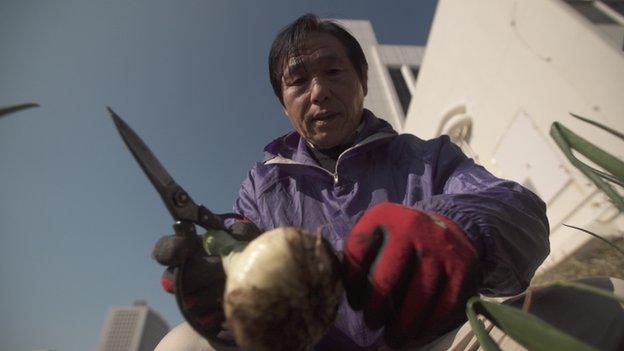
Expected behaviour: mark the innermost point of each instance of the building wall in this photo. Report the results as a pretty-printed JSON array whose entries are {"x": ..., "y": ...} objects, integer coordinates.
[
  {"x": 132, "y": 328},
  {"x": 154, "y": 330},
  {"x": 382, "y": 97},
  {"x": 512, "y": 68},
  {"x": 122, "y": 329}
]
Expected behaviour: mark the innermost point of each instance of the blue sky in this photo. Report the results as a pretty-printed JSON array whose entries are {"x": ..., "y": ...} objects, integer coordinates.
[{"x": 77, "y": 216}]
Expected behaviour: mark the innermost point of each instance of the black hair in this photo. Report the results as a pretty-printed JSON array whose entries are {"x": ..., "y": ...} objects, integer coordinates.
[{"x": 290, "y": 40}]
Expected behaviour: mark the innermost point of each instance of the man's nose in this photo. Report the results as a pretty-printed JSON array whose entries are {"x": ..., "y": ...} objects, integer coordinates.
[{"x": 319, "y": 91}]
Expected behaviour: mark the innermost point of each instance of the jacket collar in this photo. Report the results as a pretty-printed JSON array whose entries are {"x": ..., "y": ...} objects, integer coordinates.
[{"x": 294, "y": 148}]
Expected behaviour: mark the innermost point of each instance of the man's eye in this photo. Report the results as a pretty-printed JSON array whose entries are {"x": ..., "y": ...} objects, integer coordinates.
[
  {"x": 296, "y": 81},
  {"x": 334, "y": 71}
]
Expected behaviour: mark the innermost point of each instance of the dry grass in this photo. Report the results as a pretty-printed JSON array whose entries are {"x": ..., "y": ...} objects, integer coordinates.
[{"x": 599, "y": 260}]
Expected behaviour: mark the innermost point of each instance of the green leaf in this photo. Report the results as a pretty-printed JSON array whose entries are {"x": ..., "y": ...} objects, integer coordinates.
[
  {"x": 11, "y": 109},
  {"x": 602, "y": 158},
  {"x": 487, "y": 343},
  {"x": 597, "y": 236},
  {"x": 609, "y": 177},
  {"x": 568, "y": 140},
  {"x": 603, "y": 127},
  {"x": 526, "y": 329}
]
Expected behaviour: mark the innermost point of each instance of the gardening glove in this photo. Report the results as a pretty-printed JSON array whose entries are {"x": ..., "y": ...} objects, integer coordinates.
[
  {"x": 409, "y": 271},
  {"x": 203, "y": 280}
]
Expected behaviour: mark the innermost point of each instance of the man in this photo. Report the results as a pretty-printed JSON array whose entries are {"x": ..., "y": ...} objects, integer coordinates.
[{"x": 421, "y": 227}]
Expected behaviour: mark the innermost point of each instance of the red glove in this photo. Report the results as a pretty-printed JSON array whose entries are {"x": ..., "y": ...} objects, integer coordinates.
[{"x": 410, "y": 271}]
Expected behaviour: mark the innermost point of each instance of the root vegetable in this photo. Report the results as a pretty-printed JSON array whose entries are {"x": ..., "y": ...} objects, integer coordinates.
[{"x": 283, "y": 288}]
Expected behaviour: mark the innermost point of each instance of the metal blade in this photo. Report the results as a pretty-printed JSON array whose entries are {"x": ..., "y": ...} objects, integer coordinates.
[
  {"x": 10, "y": 109},
  {"x": 152, "y": 168}
]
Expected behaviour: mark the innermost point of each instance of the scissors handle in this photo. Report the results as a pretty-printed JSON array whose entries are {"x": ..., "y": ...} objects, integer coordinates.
[
  {"x": 184, "y": 228},
  {"x": 209, "y": 220},
  {"x": 187, "y": 228}
]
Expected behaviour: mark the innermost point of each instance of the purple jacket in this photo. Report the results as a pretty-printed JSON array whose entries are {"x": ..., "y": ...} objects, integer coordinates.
[{"x": 506, "y": 223}]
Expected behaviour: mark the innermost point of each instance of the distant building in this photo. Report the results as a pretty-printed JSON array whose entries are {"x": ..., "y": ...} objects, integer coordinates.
[
  {"x": 132, "y": 328},
  {"x": 392, "y": 73}
]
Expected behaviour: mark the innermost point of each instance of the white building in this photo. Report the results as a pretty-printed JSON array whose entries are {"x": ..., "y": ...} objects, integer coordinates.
[
  {"x": 132, "y": 328},
  {"x": 392, "y": 72},
  {"x": 497, "y": 73}
]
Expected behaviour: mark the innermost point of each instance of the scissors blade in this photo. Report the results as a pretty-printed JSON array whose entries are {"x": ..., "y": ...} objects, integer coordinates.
[
  {"x": 10, "y": 109},
  {"x": 156, "y": 173},
  {"x": 180, "y": 205}
]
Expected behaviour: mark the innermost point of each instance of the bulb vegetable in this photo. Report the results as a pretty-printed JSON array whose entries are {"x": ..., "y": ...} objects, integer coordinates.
[{"x": 283, "y": 288}]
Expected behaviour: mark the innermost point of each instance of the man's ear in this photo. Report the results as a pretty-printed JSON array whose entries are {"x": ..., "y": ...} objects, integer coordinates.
[
  {"x": 281, "y": 101},
  {"x": 365, "y": 83},
  {"x": 285, "y": 111}
]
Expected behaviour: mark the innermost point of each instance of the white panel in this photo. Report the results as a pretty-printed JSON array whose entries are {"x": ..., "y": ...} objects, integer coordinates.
[{"x": 524, "y": 155}]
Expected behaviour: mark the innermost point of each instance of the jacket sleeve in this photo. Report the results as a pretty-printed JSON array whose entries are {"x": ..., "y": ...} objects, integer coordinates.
[
  {"x": 506, "y": 222},
  {"x": 245, "y": 205}
]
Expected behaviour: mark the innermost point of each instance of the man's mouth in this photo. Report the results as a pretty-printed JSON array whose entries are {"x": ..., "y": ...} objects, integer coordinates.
[{"x": 323, "y": 118}]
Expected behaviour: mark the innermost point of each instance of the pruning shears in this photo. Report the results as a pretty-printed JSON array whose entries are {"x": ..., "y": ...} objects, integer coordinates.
[{"x": 182, "y": 208}]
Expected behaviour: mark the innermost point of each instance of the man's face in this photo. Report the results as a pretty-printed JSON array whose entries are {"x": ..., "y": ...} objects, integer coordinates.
[{"x": 322, "y": 94}]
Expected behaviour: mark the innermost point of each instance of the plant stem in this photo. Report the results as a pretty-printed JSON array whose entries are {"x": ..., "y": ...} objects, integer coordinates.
[{"x": 220, "y": 242}]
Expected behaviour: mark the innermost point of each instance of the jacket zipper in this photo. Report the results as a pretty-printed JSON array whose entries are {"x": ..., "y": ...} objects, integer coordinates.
[{"x": 334, "y": 175}]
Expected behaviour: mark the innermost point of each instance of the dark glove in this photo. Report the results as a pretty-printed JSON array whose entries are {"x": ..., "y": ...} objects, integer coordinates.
[
  {"x": 410, "y": 271},
  {"x": 203, "y": 280}
]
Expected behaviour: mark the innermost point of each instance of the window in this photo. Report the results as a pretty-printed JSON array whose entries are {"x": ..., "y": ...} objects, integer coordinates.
[
  {"x": 591, "y": 12},
  {"x": 415, "y": 70},
  {"x": 403, "y": 79},
  {"x": 606, "y": 15},
  {"x": 615, "y": 5},
  {"x": 400, "y": 86}
]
